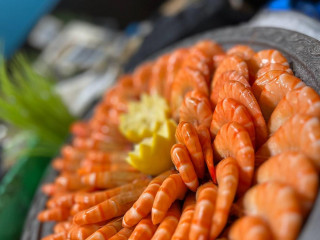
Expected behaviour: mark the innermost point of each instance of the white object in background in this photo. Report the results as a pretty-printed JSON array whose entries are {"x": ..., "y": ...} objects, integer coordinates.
[{"x": 290, "y": 20}]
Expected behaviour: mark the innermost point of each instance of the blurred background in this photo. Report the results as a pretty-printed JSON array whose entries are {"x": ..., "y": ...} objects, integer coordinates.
[{"x": 59, "y": 57}]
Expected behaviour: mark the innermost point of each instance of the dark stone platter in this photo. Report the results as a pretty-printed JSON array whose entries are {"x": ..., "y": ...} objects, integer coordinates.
[{"x": 303, "y": 54}]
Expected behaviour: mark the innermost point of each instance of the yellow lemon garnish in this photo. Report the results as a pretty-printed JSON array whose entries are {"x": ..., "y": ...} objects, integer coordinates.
[
  {"x": 152, "y": 155},
  {"x": 143, "y": 118}
]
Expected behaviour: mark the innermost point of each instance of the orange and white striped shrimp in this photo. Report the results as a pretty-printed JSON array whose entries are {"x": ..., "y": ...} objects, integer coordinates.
[
  {"x": 65, "y": 200},
  {"x": 196, "y": 109},
  {"x": 80, "y": 129},
  {"x": 205, "y": 141},
  {"x": 302, "y": 100},
  {"x": 183, "y": 227},
  {"x": 56, "y": 236},
  {"x": 230, "y": 110},
  {"x": 114, "y": 167},
  {"x": 186, "y": 80},
  {"x": 168, "y": 224},
  {"x": 112, "y": 207},
  {"x": 225, "y": 77},
  {"x": 141, "y": 77},
  {"x": 123, "y": 234},
  {"x": 200, "y": 57},
  {"x": 263, "y": 58},
  {"x": 171, "y": 189},
  {"x": 54, "y": 214},
  {"x": 82, "y": 232},
  {"x": 62, "y": 226},
  {"x": 230, "y": 63},
  {"x": 243, "y": 51},
  {"x": 96, "y": 197},
  {"x": 275, "y": 90},
  {"x": 143, "y": 206},
  {"x": 234, "y": 141},
  {"x": 110, "y": 179},
  {"x": 175, "y": 62},
  {"x": 250, "y": 228},
  {"x": 204, "y": 209},
  {"x": 78, "y": 207},
  {"x": 181, "y": 159},
  {"x": 63, "y": 165},
  {"x": 244, "y": 95},
  {"x": 107, "y": 231},
  {"x": 274, "y": 66},
  {"x": 187, "y": 134},
  {"x": 278, "y": 204},
  {"x": 300, "y": 133},
  {"x": 52, "y": 189},
  {"x": 144, "y": 230},
  {"x": 158, "y": 75},
  {"x": 71, "y": 153},
  {"x": 105, "y": 157},
  {"x": 228, "y": 177},
  {"x": 294, "y": 169}
]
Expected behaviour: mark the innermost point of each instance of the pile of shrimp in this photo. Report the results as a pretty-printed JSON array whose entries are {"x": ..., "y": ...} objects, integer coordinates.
[{"x": 247, "y": 156}]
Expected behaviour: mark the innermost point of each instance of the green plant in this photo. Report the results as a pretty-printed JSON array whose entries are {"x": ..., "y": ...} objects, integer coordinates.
[{"x": 29, "y": 102}]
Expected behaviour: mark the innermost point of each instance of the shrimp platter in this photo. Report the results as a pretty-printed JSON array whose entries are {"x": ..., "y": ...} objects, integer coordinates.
[{"x": 201, "y": 143}]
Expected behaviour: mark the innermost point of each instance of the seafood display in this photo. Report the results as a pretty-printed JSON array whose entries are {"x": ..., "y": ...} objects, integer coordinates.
[{"x": 201, "y": 143}]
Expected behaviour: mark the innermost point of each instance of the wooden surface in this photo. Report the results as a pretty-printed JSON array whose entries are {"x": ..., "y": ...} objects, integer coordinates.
[{"x": 303, "y": 54}]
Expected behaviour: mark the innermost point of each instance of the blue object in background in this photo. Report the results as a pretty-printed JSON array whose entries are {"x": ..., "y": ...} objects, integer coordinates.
[
  {"x": 16, "y": 20},
  {"x": 310, "y": 8}
]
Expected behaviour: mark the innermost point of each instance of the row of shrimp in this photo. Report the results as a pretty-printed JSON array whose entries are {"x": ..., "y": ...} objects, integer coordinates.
[{"x": 237, "y": 155}]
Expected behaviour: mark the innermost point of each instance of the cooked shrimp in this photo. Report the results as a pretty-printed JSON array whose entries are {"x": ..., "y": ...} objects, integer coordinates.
[
  {"x": 225, "y": 77},
  {"x": 228, "y": 177},
  {"x": 274, "y": 66},
  {"x": 113, "y": 207},
  {"x": 65, "y": 200},
  {"x": 107, "y": 231},
  {"x": 71, "y": 153},
  {"x": 51, "y": 189},
  {"x": 217, "y": 60},
  {"x": 61, "y": 164},
  {"x": 78, "y": 207},
  {"x": 168, "y": 224},
  {"x": 196, "y": 109},
  {"x": 54, "y": 214},
  {"x": 62, "y": 226},
  {"x": 144, "y": 230},
  {"x": 171, "y": 189},
  {"x": 142, "y": 207},
  {"x": 204, "y": 209},
  {"x": 296, "y": 170},
  {"x": 230, "y": 63},
  {"x": 82, "y": 232},
  {"x": 200, "y": 58},
  {"x": 302, "y": 100},
  {"x": 234, "y": 141},
  {"x": 186, "y": 80},
  {"x": 187, "y": 134},
  {"x": 263, "y": 58},
  {"x": 123, "y": 234},
  {"x": 175, "y": 62},
  {"x": 300, "y": 133},
  {"x": 114, "y": 167},
  {"x": 243, "y": 95},
  {"x": 181, "y": 159},
  {"x": 158, "y": 76},
  {"x": 105, "y": 157},
  {"x": 182, "y": 230},
  {"x": 110, "y": 179},
  {"x": 243, "y": 51},
  {"x": 100, "y": 196},
  {"x": 277, "y": 203},
  {"x": 80, "y": 128},
  {"x": 56, "y": 236},
  {"x": 275, "y": 90},
  {"x": 250, "y": 228},
  {"x": 142, "y": 76},
  {"x": 229, "y": 110},
  {"x": 205, "y": 141}
]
